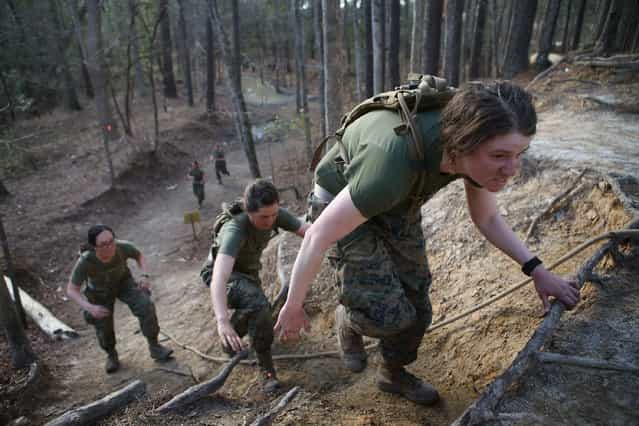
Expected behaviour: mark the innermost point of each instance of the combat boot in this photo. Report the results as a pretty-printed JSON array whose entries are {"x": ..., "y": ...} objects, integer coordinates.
[
  {"x": 159, "y": 352},
  {"x": 112, "y": 362},
  {"x": 398, "y": 380},
  {"x": 351, "y": 344},
  {"x": 269, "y": 383}
]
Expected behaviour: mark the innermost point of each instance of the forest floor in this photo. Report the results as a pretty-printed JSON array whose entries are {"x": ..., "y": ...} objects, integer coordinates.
[{"x": 50, "y": 209}]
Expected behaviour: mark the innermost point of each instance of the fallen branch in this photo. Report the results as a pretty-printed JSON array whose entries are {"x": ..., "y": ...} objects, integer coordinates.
[
  {"x": 21, "y": 386},
  {"x": 617, "y": 106},
  {"x": 200, "y": 390},
  {"x": 545, "y": 73},
  {"x": 552, "y": 204},
  {"x": 267, "y": 419},
  {"x": 52, "y": 326},
  {"x": 580, "y": 361},
  {"x": 101, "y": 408},
  {"x": 483, "y": 408}
]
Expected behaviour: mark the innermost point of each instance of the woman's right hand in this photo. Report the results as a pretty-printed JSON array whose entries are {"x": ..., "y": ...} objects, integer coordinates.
[
  {"x": 229, "y": 337},
  {"x": 99, "y": 311}
]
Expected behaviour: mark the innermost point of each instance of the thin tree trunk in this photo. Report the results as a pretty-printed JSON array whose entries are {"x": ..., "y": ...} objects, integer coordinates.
[
  {"x": 547, "y": 34},
  {"x": 478, "y": 39},
  {"x": 235, "y": 40},
  {"x": 140, "y": 83},
  {"x": 242, "y": 121},
  {"x": 359, "y": 51},
  {"x": 12, "y": 321},
  {"x": 606, "y": 41},
  {"x": 454, "y": 11},
  {"x": 520, "y": 33},
  {"x": 332, "y": 97},
  {"x": 210, "y": 67},
  {"x": 377, "y": 28},
  {"x": 186, "y": 54},
  {"x": 416, "y": 36},
  {"x": 393, "y": 54},
  {"x": 70, "y": 96},
  {"x": 581, "y": 10},
  {"x": 564, "y": 39},
  {"x": 432, "y": 36},
  {"x": 170, "y": 89},
  {"x": 301, "y": 61},
  {"x": 368, "y": 43},
  {"x": 319, "y": 46},
  {"x": 603, "y": 8}
]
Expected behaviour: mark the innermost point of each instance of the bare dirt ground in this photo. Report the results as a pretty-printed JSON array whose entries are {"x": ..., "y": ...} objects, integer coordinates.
[{"x": 48, "y": 215}]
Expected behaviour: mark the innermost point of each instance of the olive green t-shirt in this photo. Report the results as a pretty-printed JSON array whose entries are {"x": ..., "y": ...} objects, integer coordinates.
[
  {"x": 90, "y": 268},
  {"x": 198, "y": 176},
  {"x": 381, "y": 176},
  {"x": 240, "y": 239}
]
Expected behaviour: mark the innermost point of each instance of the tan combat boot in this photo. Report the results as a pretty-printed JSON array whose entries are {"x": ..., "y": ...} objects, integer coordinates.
[
  {"x": 269, "y": 383},
  {"x": 398, "y": 380},
  {"x": 112, "y": 362},
  {"x": 351, "y": 344}
]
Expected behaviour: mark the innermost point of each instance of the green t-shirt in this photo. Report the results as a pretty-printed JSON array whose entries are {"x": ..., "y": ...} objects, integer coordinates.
[
  {"x": 102, "y": 275},
  {"x": 381, "y": 176},
  {"x": 198, "y": 176},
  {"x": 240, "y": 239}
]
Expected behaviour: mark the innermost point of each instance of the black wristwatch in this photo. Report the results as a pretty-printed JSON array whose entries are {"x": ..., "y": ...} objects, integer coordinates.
[{"x": 528, "y": 267}]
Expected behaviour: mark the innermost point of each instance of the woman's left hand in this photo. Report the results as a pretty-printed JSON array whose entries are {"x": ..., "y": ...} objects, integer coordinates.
[
  {"x": 549, "y": 284},
  {"x": 145, "y": 285}
]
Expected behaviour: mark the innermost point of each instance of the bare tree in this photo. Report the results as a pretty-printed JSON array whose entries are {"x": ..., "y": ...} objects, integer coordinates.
[
  {"x": 170, "y": 89},
  {"x": 566, "y": 32},
  {"x": 581, "y": 11},
  {"x": 378, "y": 31},
  {"x": 393, "y": 52},
  {"x": 454, "y": 11},
  {"x": 368, "y": 44},
  {"x": 319, "y": 46},
  {"x": 235, "y": 41},
  {"x": 478, "y": 38},
  {"x": 19, "y": 347},
  {"x": 301, "y": 64},
  {"x": 210, "y": 67},
  {"x": 242, "y": 122},
  {"x": 186, "y": 55},
  {"x": 360, "y": 59},
  {"x": 70, "y": 96},
  {"x": 417, "y": 35},
  {"x": 432, "y": 36},
  {"x": 520, "y": 33},
  {"x": 332, "y": 97},
  {"x": 3, "y": 190},
  {"x": 606, "y": 41},
  {"x": 602, "y": 9},
  {"x": 546, "y": 34},
  {"x": 140, "y": 82}
]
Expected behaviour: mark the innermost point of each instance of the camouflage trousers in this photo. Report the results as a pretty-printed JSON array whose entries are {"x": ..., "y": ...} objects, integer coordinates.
[
  {"x": 138, "y": 302},
  {"x": 384, "y": 279},
  {"x": 198, "y": 190},
  {"x": 252, "y": 313}
]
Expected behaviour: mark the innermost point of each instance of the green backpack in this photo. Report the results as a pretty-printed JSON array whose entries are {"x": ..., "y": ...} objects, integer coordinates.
[
  {"x": 229, "y": 211},
  {"x": 422, "y": 93}
]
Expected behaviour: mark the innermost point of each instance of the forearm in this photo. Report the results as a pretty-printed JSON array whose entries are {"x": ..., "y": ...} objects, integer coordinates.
[
  {"x": 307, "y": 265},
  {"x": 73, "y": 291},
  {"x": 501, "y": 235},
  {"x": 221, "y": 273},
  {"x": 141, "y": 261}
]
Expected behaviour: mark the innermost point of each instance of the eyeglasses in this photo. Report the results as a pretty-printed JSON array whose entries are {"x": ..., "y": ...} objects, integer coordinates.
[{"x": 105, "y": 244}]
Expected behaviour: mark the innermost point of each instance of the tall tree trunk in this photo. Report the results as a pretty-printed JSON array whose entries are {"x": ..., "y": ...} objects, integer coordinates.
[
  {"x": 454, "y": 11},
  {"x": 210, "y": 67},
  {"x": 170, "y": 89},
  {"x": 235, "y": 40},
  {"x": 520, "y": 32},
  {"x": 360, "y": 76},
  {"x": 478, "y": 39},
  {"x": 71, "y": 101},
  {"x": 332, "y": 97},
  {"x": 346, "y": 45},
  {"x": 140, "y": 82},
  {"x": 393, "y": 55},
  {"x": 95, "y": 63},
  {"x": 432, "y": 36},
  {"x": 602, "y": 7},
  {"x": 606, "y": 41},
  {"x": 186, "y": 55},
  {"x": 319, "y": 46},
  {"x": 627, "y": 24},
  {"x": 301, "y": 61},
  {"x": 581, "y": 11},
  {"x": 566, "y": 32},
  {"x": 242, "y": 122},
  {"x": 368, "y": 43},
  {"x": 417, "y": 34},
  {"x": 547, "y": 34},
  {"x": 378, "y": 44},
  {"x": 10, "y": 321}
]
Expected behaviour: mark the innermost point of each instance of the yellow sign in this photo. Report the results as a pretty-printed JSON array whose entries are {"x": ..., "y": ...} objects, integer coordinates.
[{"x": 191, "y": 217}]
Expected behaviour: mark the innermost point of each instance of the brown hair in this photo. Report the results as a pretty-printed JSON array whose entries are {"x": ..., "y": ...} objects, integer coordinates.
[
  {"x": 483, "y": 110},
  {"x": 259, "y": 194}
]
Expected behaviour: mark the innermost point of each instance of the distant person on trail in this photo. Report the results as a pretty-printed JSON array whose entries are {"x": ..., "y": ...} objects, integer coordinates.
[
  {"x": 197, "y": 175},
  {"x": 367, "y": 200},
  {"x": 235, "y": 255},
  {"x": 220, "y": 162},
  {"x": 102, "y": 266}
]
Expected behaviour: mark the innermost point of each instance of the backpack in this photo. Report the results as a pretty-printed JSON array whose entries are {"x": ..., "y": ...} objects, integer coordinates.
[
  {"x": 422, "y": 93},
  {"x": 229, "y": 211}
]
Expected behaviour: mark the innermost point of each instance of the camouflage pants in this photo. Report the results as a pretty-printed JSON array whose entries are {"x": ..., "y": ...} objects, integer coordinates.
[
  {"x": 198, "y": 190},
  {"x": 138, "y": 302},
  {"x": 384, "y": 279},
  {"x": 252, "y": 314}
]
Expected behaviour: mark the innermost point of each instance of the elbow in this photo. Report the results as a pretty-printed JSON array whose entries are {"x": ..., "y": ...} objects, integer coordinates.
[{"x": 315, "y": 241}]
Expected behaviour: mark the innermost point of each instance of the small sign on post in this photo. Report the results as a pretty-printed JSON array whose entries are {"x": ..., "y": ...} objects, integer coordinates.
[{"x": 192, "y": 218}]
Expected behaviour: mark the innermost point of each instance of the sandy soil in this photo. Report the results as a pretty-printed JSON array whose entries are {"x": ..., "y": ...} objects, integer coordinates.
[{"x": 52, "y": 208}]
